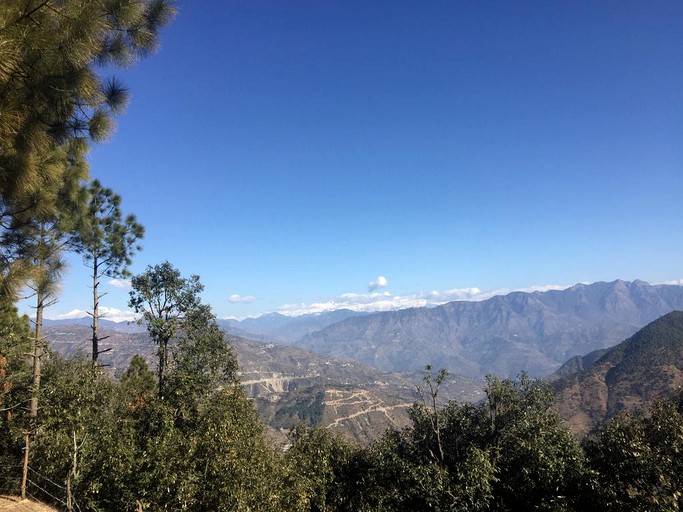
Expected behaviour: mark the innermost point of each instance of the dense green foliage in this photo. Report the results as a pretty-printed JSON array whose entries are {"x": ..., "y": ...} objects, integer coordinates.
[
  {"x": 511, "y": 452},
  {"x": 639, "y": 460},
  {"x": 53, "y": 103},
  {"x": 120, "y": 446},
  {"x": 15, "y": 374}
]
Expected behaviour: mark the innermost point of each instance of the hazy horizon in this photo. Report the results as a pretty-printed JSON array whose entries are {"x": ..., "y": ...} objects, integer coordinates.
[{"x": 298, "y": 155}]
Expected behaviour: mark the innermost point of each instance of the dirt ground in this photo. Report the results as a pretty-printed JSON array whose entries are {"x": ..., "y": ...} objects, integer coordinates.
[{"x": 16, "y": 504}]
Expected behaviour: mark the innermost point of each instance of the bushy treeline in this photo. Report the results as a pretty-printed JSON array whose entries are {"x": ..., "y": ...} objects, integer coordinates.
[
  {"x": 121, "y": 445},
  {"x": 511, "y": 452}
]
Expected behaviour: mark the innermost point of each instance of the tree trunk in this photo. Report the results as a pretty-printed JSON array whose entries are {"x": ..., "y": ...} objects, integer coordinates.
[
  {"x": 95, "y": 316},
  {"x": 163, "y": 362},
  {"x": 72, "y": 475},
  {"x": 33, "y": 410},
  {"x": 37, "y": 355},
  {"x": 24, "y": 475}
]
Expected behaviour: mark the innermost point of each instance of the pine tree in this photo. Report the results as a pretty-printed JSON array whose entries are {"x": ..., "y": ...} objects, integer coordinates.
[
  {"x": 53, "y": 97},
  {"x": 107, "y": 242},
  {"x": 50, "y": 52},
  {"x": 42, "y": 239},
  {"x": 52, "y": 202}
]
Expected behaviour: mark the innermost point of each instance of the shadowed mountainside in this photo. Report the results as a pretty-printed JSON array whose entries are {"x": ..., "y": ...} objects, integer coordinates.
[
  {"x": 629, "y": 376},
  {"x": 533, "y": 332}
]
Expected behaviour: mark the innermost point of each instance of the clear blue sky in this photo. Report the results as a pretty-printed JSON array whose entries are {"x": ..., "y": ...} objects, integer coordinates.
[{"x": 292, "y": 152}]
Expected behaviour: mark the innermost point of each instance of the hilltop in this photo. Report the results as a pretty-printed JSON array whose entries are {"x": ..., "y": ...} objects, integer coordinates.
[{"x": 629, "y": 376}]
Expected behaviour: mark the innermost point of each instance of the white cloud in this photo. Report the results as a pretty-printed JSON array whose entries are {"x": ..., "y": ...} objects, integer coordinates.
[
  {"x": 380, "y": 282},
  {"x": 240, "y": 318},
  {"x": 113, "y": 314},
  {"x": 437, "y": 296},
  {"x": 118, "y": 315},
  {"x": 385, "y": 301},
  {"x": 119, "y": 283},
  {"x": 74, "y": 313},
  {"x": 241, "y": 299},
  {"x": 504, "y": 291},
  {"x": 675, "y": 282}
]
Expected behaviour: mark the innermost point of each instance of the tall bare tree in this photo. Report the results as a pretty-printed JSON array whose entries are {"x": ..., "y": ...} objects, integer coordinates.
[{"x": 107, "y": 241}]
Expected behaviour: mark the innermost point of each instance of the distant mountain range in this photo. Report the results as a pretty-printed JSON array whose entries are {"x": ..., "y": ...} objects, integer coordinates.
[
  {"x": 271, "y": 327},
  {"x": 320, "y": 382},
  {"x": 629, "y": 376},
  {"x": 286, "y": 329},
  {"x": 130, "y": 327},
  {"x": 533, "y": 332}
]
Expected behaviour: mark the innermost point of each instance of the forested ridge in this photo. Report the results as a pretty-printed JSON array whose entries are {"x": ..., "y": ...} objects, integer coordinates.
[{"x": 183, "y": 435}]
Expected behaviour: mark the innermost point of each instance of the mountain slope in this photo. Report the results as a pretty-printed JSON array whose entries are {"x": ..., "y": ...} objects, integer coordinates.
[
  {"x": 647, "y": 366},
  {"x": 290, "y": 384},
  {"x": 577, "y": 364},
  {"x": 124, "y": 326},
  {"x": 285, "y": 329},
  {"x": 535, "y": 332}
]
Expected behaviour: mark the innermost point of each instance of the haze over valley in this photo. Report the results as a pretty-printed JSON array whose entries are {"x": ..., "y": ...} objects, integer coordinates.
[{"x": 303, "y": 368}]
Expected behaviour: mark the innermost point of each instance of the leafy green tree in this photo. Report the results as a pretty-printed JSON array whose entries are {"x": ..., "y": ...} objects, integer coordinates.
[
  {"x": 236, "y": 467},
  {"x": 201, "y": 445},
  {"x": 138, "y": 383},
  {"x": 15, "y": 336},
  {"x": 43, "y": 239},
  {"x": 639, "y": 460},
  {"x": 410, "y": 467},
  {"x": 431, "y": 465},
  {"x": 429, "y": 394},
  {"x": 48, "y": 268},
  {"x": 86, "y": 443},
  {"x": 203, "y": 362},
  {"x": 316, "y": 474},
  {"x": 15, "y": 375},
  {"x": 539, "y": 464},
  {"x": 164, "y": 298},
  {"x": 68, "y": 416},
  {"x": 510, "y": 452},
  {"x": 107, "y": 241},
  {"x": 120, "y": 447}
]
